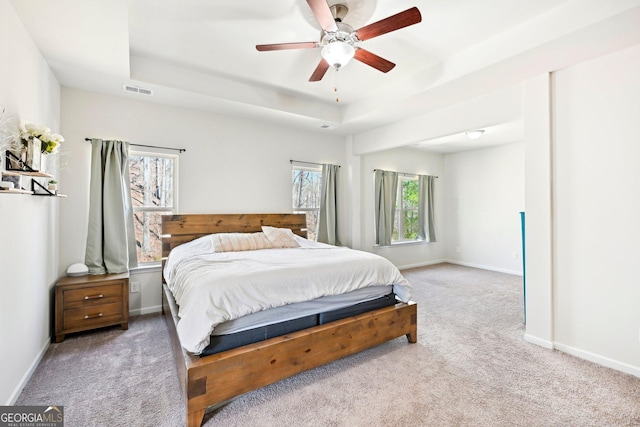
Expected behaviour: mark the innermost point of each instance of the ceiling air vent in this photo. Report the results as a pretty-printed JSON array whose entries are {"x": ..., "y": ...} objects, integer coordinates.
[{"x": 135, "y": 89}]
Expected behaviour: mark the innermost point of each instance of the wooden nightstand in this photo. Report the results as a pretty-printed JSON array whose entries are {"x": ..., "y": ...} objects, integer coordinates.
[{"x": 89, "y": 302}]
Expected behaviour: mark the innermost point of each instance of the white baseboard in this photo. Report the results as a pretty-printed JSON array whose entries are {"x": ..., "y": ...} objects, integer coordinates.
[
  {"x": 145, "y": 310},
  {"x": 483, "y": 267},
  {"x": 539, "y": 341},
  {"x": 27, "y": 376},
  {"x": 421, "y": 264},
  {"x": 585, "y": 355},
  {"x": 466, "y": 264},
  {"x": 600, "y": 360}
]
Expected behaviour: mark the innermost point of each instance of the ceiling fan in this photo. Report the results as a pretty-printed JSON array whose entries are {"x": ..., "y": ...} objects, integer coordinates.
[{"x": 339, "y": 41}]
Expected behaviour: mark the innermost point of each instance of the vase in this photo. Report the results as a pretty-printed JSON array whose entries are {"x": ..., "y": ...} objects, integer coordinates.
[
  {"x": 43, "y": 163},
  {"x": 33, "y": 154}
]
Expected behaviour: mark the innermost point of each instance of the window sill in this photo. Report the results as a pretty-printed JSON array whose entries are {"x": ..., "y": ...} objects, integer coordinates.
[
  {"x": 407, "y": 243},
  {"x": 147, "y": 268}
]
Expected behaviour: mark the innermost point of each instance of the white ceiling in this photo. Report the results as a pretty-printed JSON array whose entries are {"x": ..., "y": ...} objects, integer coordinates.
[
  {"x": 503, "y": 133},
  {"x": 201, "y": 54}
]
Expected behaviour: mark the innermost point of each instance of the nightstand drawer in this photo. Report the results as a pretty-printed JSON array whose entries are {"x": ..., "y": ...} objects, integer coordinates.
[
  {"x": 90, "y": 296},
  {"x": 89, "y": 317}
]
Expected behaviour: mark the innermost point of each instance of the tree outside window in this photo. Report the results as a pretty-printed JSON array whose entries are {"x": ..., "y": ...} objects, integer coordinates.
[
  {"x": 406, "y": 218},
  {"x": 306, "y": 184},
  {"x": 153, "y": 194}
]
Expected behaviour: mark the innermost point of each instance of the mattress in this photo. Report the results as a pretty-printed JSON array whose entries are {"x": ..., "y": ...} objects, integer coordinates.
[
  {"x": 301, "y": 309},
  {"x": 280, "y": 321}
]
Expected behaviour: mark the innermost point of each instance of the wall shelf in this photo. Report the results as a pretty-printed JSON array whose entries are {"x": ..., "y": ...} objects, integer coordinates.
[
  {"x": 14, "y": 191},
  {"x": 32, "y": 193},
  {"x": 25, "y": 173},
  {"x": 37, "y": 189}
]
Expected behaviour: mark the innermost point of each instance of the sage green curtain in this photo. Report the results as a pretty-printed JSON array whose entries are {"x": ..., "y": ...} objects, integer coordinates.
[
  {"x": 111, "y": 243},
  {"x": 327, "y": 231},
  {"x": 386, "y": 190},
  {"x": 426, "y": 228}
]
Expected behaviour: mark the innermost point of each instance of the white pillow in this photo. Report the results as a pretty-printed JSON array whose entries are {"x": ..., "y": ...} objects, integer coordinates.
[
  {"x": 281, "y": 237},
  {"x": 234, "y": 242},
  {"x": 310, "y": 244}
]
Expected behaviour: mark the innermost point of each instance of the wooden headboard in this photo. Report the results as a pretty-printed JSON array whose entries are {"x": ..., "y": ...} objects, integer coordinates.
[{"x": 178, "y": 229}]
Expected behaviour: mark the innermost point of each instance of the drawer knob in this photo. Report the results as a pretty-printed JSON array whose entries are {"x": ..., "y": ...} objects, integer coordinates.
[
  {"x": 90, "y": 317},
  {"x": 94, "y": 296}
]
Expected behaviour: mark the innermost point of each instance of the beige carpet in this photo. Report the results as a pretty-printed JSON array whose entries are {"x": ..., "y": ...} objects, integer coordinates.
[{"x": 470, "y": 367}]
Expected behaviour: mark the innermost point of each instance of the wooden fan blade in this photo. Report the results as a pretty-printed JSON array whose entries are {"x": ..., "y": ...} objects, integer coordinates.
[
  {"x": 373, "y": 60},
  {"x": 320, "y": 71},
  {"x": 283, "y": 46},
  {"x": 392, "y": 23},
  {"x": 323, "y": 15}
]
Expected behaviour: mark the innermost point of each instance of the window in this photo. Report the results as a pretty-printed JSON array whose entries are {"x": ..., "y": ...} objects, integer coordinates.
[
  {"x": 403, "y": 208},
  {"x": 405, "y": 227},
  {"x": 153, "y": 194},
  {"x": 306, "y": 186}
]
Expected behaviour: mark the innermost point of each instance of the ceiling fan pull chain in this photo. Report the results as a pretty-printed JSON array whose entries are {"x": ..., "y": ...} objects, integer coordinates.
[{"x": 335, "y": 86}]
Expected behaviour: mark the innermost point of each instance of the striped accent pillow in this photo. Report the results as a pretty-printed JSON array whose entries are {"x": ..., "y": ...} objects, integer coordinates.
[{"x": 234, "y": 242}]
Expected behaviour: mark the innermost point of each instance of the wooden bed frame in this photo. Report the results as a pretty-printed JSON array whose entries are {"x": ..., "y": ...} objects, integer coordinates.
[{"x": 215, "y": 379}]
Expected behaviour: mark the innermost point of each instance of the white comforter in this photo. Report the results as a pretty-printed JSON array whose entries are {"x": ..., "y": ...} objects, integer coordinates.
[{"x": 212, "y": 288}]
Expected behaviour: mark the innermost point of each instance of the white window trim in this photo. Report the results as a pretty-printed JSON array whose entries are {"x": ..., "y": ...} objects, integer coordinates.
[
  {"x": 175, "y": 210},
  {"x": 176, "y": 174},
  {"x": 401, "y": 209},
  {"x": 306, "y": 167}
]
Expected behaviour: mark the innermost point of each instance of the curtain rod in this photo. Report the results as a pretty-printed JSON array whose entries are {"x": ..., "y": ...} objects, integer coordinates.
[
  {"x": 308, "y": 163},
  {"x": 152, "y": 146},
  {"x": 405, "y": 173}
]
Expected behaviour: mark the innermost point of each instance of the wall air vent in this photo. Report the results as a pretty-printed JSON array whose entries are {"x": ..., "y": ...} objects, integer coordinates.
[{"x": 135, "y": 89}]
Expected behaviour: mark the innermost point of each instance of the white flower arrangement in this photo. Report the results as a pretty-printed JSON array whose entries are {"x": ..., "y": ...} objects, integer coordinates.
[{"x": 50, "y": 141}]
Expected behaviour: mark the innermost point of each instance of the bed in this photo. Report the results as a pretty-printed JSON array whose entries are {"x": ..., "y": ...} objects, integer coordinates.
[{"x": 211, "y": 380}]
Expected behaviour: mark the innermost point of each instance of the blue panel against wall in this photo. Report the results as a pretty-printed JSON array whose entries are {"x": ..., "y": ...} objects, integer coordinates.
[{"x": 524, "y": 268}]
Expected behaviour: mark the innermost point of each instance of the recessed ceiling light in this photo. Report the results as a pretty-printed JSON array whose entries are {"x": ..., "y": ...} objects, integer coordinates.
[{"x": 474, "y": 134}]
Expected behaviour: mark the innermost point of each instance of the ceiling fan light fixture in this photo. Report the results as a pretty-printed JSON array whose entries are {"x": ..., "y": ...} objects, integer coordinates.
[
  {"x": 338, "y": 53},
  {"x": 474, "y": 134}
]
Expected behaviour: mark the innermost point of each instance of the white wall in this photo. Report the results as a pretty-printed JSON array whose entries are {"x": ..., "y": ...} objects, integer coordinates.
[
  {"x": 484, "y": 194},
  {"x": 408, "y": 161},
  {"x": 596, "y": 202},
  {"x": 538, "y": 208},
  {"x": 29, "y": 232},
  {"x": 230, "y": 166}
]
